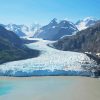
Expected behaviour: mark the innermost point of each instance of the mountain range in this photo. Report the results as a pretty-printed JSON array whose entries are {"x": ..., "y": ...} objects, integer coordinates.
[
  {"x": 69, "y": 37},
  {"x": 22, "y": 30},
  {"x": 52, "y": 31},
  {"x": 55, "y": 30}
]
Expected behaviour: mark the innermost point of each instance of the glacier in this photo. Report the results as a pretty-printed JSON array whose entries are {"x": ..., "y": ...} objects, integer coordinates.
[{"x": 50, "y": 62}]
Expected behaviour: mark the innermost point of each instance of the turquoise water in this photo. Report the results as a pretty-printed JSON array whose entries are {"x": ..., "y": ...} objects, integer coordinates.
[
  {"x": 35, "y": 86},
  {"x": 5, "y": 88}
]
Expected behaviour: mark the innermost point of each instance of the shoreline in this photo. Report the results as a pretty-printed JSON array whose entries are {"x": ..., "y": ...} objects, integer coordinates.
[{"x": 32, "y": 77}]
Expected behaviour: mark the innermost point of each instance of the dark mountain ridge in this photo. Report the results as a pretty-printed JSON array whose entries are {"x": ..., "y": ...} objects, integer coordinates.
[{"x": 12, "y": 47}]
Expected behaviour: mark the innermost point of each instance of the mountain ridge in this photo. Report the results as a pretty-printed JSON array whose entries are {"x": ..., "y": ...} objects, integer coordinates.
[
  {"x": 12, "y": 47},
  {"x": 22, "y": 29},
  {"x": 85, "y": 23},
  {"x": 52, "y": 31},
  {"x": 87, "y": 40},
  {"x": 55, "y": 30}
]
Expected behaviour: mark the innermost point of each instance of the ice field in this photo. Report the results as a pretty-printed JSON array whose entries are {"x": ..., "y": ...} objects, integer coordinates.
[{"x": 50, "y": 62}]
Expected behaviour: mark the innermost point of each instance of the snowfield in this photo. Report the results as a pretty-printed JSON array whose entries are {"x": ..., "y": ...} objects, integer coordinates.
[{"x": 50, "y": 62}]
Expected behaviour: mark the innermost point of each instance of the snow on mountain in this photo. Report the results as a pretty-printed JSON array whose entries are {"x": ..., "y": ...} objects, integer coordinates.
[
  {"x": 23, "y": 30},
  {"x": 33, "y": 29},
  {"x": 85, "y": 23},
  {"x": 50, "y": 62},
  {"x": 55, "y": 30}
]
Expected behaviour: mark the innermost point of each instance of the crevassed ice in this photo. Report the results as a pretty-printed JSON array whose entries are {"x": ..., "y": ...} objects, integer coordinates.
[{"x": 50, "y": 59}]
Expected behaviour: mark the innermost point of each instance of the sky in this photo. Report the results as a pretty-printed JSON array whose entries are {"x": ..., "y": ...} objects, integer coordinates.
[{"x": 42, "y": 11}]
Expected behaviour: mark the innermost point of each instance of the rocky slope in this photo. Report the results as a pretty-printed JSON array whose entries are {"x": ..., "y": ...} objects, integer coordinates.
[
  {"x": 87, "y": 40},
  {"x": 12, "y": 48}
]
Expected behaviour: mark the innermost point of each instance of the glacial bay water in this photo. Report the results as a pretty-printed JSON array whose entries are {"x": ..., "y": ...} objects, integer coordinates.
[{"x": 49, "y": 88}]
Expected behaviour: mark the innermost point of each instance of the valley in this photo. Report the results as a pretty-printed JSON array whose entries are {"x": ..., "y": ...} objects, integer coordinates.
[
  {"x": 58, "y": 48},
  {"x": 50, "y": 62}
]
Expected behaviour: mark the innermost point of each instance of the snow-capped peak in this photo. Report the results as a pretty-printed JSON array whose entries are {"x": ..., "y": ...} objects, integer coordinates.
[
  {"x": 55, "y": 30},
  {"x": 23, "y": 30},
  {"x": 54, "y": 20},
  {"x": 68, "y": 25},
  {"x": 85, "y": 23},
  {"x": 88, "y": 19}
]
